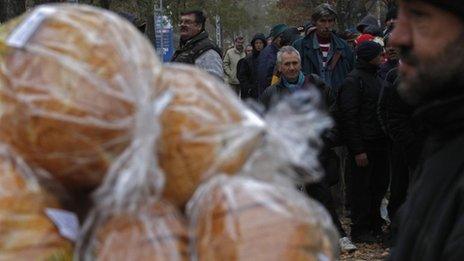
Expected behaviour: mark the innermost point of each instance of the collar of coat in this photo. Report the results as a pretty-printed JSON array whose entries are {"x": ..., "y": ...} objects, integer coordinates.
[
  {"x": 314, "y": 44},
  {"x": 443, "y": 117},
  {"x": 202, "y": 35}
]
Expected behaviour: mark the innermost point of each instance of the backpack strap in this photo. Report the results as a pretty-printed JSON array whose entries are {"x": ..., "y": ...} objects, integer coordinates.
[{"x": 335, "y": 60}]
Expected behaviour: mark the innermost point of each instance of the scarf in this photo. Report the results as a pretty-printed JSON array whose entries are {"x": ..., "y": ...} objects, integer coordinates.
[{"x": 292, "y": 87}]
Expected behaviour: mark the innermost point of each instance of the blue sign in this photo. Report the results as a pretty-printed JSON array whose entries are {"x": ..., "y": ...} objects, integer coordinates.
[{"x": 164, "y": 38}]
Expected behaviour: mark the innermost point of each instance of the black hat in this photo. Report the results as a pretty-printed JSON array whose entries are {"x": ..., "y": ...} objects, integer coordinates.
[
  {"x": 368, "y": 20},
  {"x": 368, "y": 50},
  {"x": 277, "y": 30},
  {"x": 323, "y": 10},
  {"x": 453, "y": 6},
  {"x": 290, "y": 35}
]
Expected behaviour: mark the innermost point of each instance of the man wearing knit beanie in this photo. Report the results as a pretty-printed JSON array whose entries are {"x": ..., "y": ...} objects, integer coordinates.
[
  {"x": 430, "y": 37},
  {"x": 366, "y": 142}
]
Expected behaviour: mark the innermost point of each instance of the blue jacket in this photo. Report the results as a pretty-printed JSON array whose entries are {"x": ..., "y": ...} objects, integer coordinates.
[
  {"x": 266, "y": 64},
  {"x": 311, "y": 60}
]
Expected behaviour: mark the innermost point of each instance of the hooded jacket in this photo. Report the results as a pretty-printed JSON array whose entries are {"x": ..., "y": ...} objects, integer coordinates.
[{"x": 247, "y": 71}]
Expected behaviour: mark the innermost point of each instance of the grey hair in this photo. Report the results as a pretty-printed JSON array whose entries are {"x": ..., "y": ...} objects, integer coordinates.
[{"x": 286, "y": 49}]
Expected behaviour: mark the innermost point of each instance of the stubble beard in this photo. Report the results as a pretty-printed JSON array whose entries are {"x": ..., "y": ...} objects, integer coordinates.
[{"x": 438, "y": 77}]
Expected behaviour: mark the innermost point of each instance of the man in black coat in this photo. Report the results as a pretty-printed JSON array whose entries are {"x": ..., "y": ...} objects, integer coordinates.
[
  {"x": 430, "y": 35},
  {"x": 366, "y": 142},
  {"x": 247, "y": 69}
]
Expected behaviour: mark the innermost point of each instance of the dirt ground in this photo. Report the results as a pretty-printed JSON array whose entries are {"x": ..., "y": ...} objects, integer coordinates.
[
  {"x": 374, "y": 252},
  {"x": 365, "y": 252}
]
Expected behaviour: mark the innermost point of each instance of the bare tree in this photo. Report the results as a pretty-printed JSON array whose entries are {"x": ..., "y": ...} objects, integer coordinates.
[
  {"x": 11, "y": 8},
  {"x": 146, "y": 9},
  {"x": 39, "y": 2},
  {"x": 105, "y": 4}
]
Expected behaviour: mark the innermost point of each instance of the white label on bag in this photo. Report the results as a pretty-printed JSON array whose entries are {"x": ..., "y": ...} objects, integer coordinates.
[
  {"x": 66, "y": 222},
  {"x": 21, "y": 34}
]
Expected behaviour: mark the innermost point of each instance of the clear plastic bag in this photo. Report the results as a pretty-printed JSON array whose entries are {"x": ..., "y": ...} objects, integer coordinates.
[
  {"x": 202, "y": 130},
  {"x": 154, "y": 231},
  {"x": 240, "y": 218},
  {"x": 69, "y": 78},
  {"x": 290, "y": 149},
  {"x": 206, "y": 130},
  {"x": 129, "y": 220},
  {"x": 259, "y": 214},
  {"x": 26, "y": 232}
]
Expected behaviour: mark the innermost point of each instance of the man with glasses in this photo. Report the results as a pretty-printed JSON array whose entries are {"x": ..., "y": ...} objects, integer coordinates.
[{"x": 195, "y": 46}]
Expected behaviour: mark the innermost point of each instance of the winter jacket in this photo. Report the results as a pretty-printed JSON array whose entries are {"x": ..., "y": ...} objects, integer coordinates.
[
  {"x": 386, "y": 68},
  {"x": 340, "y": 61},
  {"x": 276, "y": 92},
  {"x": 432, "y": 219},
  {"x": 358, "y": 100},
  {"x": 266, "y": 64},
  {"x": 231, "y": 59},
  {"x": 202, "y": 52}
]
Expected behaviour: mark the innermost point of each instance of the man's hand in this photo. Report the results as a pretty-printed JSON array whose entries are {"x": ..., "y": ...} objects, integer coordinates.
[{"x": 361, "y": 160}]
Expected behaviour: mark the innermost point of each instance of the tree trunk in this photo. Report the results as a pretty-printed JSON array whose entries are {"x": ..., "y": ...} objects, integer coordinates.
[{"x": 150, "y": 29}]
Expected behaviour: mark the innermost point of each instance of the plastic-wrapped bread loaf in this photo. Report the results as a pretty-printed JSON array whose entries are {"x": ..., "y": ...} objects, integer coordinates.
[
  {"x": 238, "y": 218},
  {"x": 205, "y": 130},
  {"x": 129, "y": 220},
  {"x": 26, "y": 232},
  {"x": 68, "y": 74},
  {"x": 156, "y": 233}
]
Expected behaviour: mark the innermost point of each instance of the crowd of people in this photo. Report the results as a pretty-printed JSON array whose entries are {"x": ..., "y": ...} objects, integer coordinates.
[{"x": 396, "y": 95}]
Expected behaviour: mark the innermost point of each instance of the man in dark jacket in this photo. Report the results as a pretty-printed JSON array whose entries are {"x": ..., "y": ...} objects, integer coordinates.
[
  {"x": 195, "y": 46},
  {"x": 366, "y": 142},
  {"x": 323, "y": 52},
  {"x": 430, "y": 35},
  {"x": 248, "y": 67},
  {"x": 406, "y": 143},
  {"x": 392, "y": 59},
  {"x": 293, "y": 80},
  {"x": 267, "y": 57}
]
